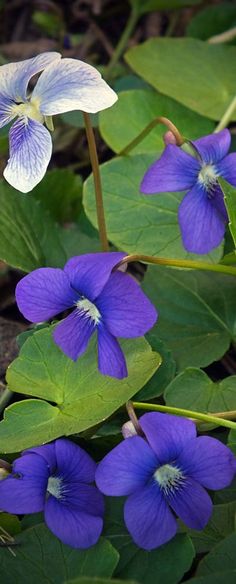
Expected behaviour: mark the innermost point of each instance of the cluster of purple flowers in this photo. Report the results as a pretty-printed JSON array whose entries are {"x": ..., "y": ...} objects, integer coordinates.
[{"x": 164, "y": 474}]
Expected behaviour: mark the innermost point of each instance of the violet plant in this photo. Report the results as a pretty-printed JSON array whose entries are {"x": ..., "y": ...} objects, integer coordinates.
[{"x": 120, "y": 318}]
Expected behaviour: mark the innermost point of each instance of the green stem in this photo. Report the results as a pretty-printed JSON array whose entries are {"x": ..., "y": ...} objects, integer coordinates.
[
  {"x": 220, "y": 268},
  {"x": 97, "y": 182},
  {"x": 121, "y": 46},
  {"x": 5, "y": 398},
  {"x": 223, "y": 123},
  {"x": 160, "y": 120},
  {"x": 212, "y": 419}
]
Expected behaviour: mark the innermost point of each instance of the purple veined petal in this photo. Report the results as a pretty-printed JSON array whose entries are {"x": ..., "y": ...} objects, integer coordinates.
[
  {"x": 111, "y": 359},
  {"x": 84, "y": 498},
  {"x": 209, "y": 462},
  {"x": 73, "y": 463},
  {"x": 73, "y": 334},
  {"x": 174, "y": 171},
  {"x": 227, "y": 168},
  {"x": 191, "y": 503},
  {"x": 72, "y": 85},
  {"x": 148, "y": 518},
  {"x": 14, "y": 77},
  {"x": 6, "y": 113},
  {"x": 24, "y": 490},
  {"x": 30, "y": 153},
  {"x": 167, "y": 434},
  {"x": 44, "y": 293},
  {"x": 89, "y": 273},
  {"x": 72, "y": 527},
  {"x": 125, "y": 309},
  {"x": 129, "y": 466},
  {"x": 47, "y": 451},
  {"x": 214, "y": 147},
  {"x": 201, "y": 221}
]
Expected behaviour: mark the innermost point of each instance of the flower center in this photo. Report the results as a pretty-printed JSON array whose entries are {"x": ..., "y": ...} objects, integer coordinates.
[
  {"x": 208, "y": 176},
  {"x": 30, "y": 109},
  {"x": 54, "y": 487},
  {"x": 89, "y": 309},
  {"x": 169, "y": 477}
]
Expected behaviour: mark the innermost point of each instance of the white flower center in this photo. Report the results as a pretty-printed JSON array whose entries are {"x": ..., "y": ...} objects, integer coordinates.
[
  {"x": 208, "y": 176},
  {"x": 89, "y": 309},
  {"x": 169, "y": 477},
  {"x": 30, "y": 109},
  {"x": 54, "y": 487}
]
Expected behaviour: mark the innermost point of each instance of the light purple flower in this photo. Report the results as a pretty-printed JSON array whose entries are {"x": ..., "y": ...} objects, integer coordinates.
[
  {"x": 202, "y": 213},
  {"x": 64, "y": 85},
  {"x": 56, "y": 479},
  {"x": 110, "y": 303},
  {"x": 164, "y": 475}
]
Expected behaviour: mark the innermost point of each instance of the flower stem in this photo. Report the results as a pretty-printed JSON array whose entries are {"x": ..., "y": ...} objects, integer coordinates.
[
  {"x": 210, "y": 418},
  {"x": 220, "y": 268},
  {"x": 223, "y": 123},
  {"x": 133, "y": 418},
  {"x": 5, "y": 398},
  {"x": 160, "y": 120},
  {"x": 97, "y": 183},
  {"x": 121, "y": 46}
]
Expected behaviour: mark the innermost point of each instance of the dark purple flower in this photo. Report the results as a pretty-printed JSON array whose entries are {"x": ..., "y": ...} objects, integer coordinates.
[
  {"x": 56, "y": 478},
  {"x": 164, "y": 475},
  {"x": 110, "y": 303},
  {"x": 202, "y": 213}
]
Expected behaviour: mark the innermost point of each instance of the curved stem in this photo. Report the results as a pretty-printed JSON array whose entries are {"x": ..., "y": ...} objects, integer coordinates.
[
  {"x": 5, "y": 398},
  {"x": 121, "y": 46},
  {"x": 220, "y": 268},
  {"x": 210, "y": 418},
  {"x": 223, "y": 123},
  {"x": 133, "y": 418},
  {"x": 97, "y": 182},
  {"x": 160, "y": 120}
]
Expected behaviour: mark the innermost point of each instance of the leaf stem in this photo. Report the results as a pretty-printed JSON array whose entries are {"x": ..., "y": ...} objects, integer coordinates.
[
  {"x": 160, "y": 120},
  {"x": 121, "y": 46},
  {"x": 97, "y": 182},
  {"x": 223, "y": 123},
  {"x": 189, "y": 264},
  {"x": 210, "y": 418},
  {"x": 5, "y": 398}
]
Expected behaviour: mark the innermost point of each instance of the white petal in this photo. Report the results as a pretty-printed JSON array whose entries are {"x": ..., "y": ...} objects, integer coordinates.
[
  {"x": 69, "y": 85},
  {"x": 14, "y": 77},
  {"x": 30, "y": 153}
]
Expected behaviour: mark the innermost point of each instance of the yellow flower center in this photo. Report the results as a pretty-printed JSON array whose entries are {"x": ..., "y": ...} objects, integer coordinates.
[{"x": 29, "y": 109}]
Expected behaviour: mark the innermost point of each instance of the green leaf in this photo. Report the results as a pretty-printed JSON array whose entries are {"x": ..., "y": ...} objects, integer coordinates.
[
  {"x": 144, "y": 6},
  {"x": 83, "y": 396},
  {"x": 221, "y": 524},
  {"x": 29, "y": 238},
  {"x": 212, "y": 21},
  {"x": 230, "y": 201},
  {"x": 164, "y": 375},
  {"x": 86, "y": 580},
  {"x": 135, "y": 109},
  {"x": 194, "y": 390},
  {"x": 220, "y": 559},
  {"x": 60, "y": 193},
  {"x": 228, "y": 576},
  {"x": 9, "y": 523},
  {"x": 232, "y": 440},
  {"x": 75, "y": 242},
  {"x": 191, "y": 71},
  {"x": 197, "y": 313},
  {"x": 41, "y": 558},
  {"x": 75, "y": 119},
  {"x": 138, "y": 223}
]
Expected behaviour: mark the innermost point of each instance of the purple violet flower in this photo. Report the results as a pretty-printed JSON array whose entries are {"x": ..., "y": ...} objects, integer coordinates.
[
  {"x": 202, "y": 213},
  {"x": 64, "y": 85},
  {"x": 111, "y": 303},
  {"x": 56, "y": 478},
  {"x": 164, "y": 475}
]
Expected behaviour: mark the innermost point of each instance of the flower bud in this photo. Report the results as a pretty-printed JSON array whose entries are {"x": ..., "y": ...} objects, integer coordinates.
[
  {"x": 169, "y": 138},
  {"x": 128, "y": 430}
]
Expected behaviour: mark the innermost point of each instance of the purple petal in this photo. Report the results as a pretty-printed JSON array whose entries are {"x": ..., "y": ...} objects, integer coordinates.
[
  {"x": 26, "y": 492},
  {"x": 6, "y": 113},
  {"x": 126, "y": 468},
  {"x": 111, "y": 360},
  {"x": 73, "y": 463},
  {"x": 209, "y": 462},
  {"x": 125, "y": 309},
  {"x": 30, "y": 153},
  {"x": 44, "y": 293},
  {"x": 89, "y": 273},
  {"x": 84, "y": 498},
  {"x": 201, "y": 222},
  {"x": 191, "y": 503},
  {"x": 72, "y": 85},
  {"x": 47, "y": 451},
  {"x": 227, "y": 168},
  {"x": 214, "y": 147},
  {"x": 72, "y": 527},
  {"x": 148, "y": 518},
  {"x": 167, "y": 434},
  {"x": 15, "y": 77},
  {"x": 174, "y": 171},
  {"x": 73, "y": 334}
]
